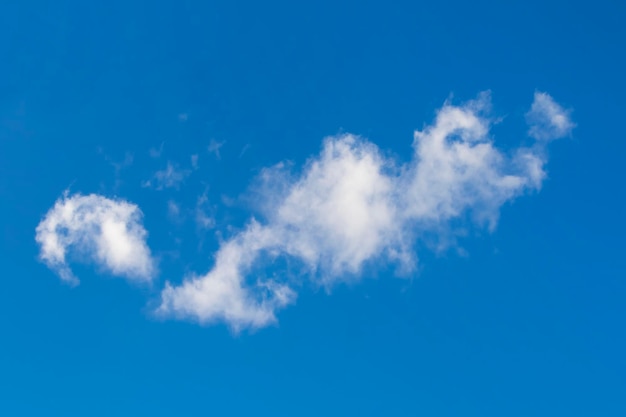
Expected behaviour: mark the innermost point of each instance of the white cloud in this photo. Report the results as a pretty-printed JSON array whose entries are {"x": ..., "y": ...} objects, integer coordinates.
[
  {"x": 170, "y": 177},
  {"x": 222, "y": 294},
  {"x": 341, "y": 212},
  {"x": 547, "y": 120},
  {"x": 106, "y": 232},
  {"x": 352, "y": 206}
]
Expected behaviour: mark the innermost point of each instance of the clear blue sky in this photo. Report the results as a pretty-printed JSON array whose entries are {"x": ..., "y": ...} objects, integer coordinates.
[{"x": 371, "y": 283}]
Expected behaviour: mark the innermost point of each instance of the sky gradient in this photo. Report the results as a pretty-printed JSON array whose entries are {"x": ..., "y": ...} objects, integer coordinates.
[{"x": 354, "y": 208}]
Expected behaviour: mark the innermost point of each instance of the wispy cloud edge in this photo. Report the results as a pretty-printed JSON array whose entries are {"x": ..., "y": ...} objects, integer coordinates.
[
  {"x": 351, "y": 206},
  {"x": 103, "y": 231}
]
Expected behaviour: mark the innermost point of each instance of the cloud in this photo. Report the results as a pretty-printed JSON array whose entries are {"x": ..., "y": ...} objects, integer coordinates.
[
  {"x": 244, "y": 149},
  {"x": 214, "y": 148},
  {"x": 221, "y": 294},
  {"x": 94, "y": 228},
  {"x": 173, "y": 210},
  {"x": 204, "y": 219},
  {"x": 156, "y": 152},
  {"x": 118, "y": 165},
  {"x": 170, "y": 177},
  {"x": 547, "y": 120},
  {"x": 351, "y": 207}
]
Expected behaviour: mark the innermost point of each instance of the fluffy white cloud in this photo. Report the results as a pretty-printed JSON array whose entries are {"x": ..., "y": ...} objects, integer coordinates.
[
  {"x": 223, "y": 293},
  {"x": 351, "y": 206},
  {"x": 97, "y": 229},
  {"x": 547, "y": 119}
]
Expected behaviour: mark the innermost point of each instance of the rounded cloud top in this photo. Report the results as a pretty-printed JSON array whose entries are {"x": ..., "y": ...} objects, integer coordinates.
[
  {"x": 94, "y": 228},
  {"x": 350, "y": 208}
]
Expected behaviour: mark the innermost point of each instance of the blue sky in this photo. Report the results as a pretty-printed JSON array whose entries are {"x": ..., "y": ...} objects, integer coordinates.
[{"x": 338, "y": 208}]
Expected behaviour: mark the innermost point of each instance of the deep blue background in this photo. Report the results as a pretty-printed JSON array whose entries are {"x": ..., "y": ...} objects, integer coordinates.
[{"x": 530, "y": 323}]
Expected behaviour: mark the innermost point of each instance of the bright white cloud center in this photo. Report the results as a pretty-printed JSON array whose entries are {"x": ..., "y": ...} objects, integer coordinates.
[
  {"x": 351, "y": 206},
  {"x": 93, "y": 228}
]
